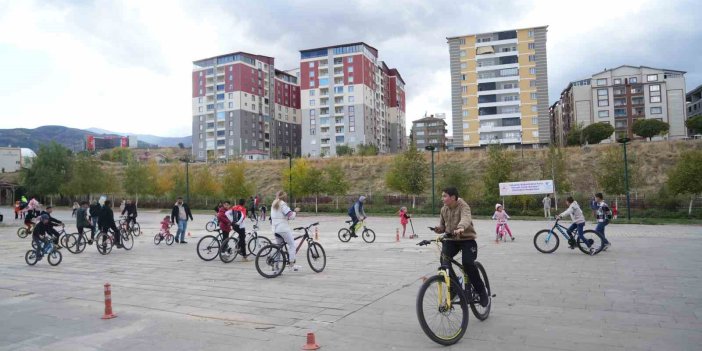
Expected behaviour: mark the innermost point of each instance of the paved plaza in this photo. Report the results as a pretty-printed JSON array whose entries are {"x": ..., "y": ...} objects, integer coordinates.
[{"x": 643, "y": 294}]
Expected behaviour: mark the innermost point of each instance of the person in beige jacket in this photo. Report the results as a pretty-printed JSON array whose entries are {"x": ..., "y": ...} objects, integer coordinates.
[{"x": 457, "y": 223}]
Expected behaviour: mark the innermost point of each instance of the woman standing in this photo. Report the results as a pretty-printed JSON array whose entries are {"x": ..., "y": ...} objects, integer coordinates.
[{"x": 281, "y": 214}]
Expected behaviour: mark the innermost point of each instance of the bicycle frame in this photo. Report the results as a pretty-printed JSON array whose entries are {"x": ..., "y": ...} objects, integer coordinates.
[
  {"x": 561, "y": 229},
  {"x": 444, "y": 272}
]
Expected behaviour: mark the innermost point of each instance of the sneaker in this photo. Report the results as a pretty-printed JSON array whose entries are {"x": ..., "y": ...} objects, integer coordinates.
[
  {"x": 606, "y": 246},
  {"x": 512, "y": 238},
  {"x": 183, "y": 242},
  {"x": 484, "y": 299},
  {"x": 296, "y": 267},
  {"x": 90, "y": 242},
  {"x": 119, "y": 246},
  {"x": 178, "y": 241}
]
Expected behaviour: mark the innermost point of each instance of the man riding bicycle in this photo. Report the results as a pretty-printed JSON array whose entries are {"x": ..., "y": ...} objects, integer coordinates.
[
  {"x": 131, "y": 210},
  {"x": 457, "y": 223},
  {"x": 356, "y": 212}
]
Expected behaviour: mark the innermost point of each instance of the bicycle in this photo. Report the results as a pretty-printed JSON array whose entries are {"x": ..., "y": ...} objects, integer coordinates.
[
  {"x": 77, "y": 242},
  {"x": 208, "y": 246},
  {"x": 212, "y": 225},
  {"x": 544, "y": 239},
  {"x": 104, "y": 241},
  {"x": 252, "y": 239},
  {"x": 23, "y": 231},
  {"x": 54, "y": 256},
  {"x": 164, "y": 236},
  {"x": 440, "y": 302},
  {"x": 63, "y": 238},
  {"x": 502, "y": 232},
  {"x": 367, "y": 234},
  {"x": 272, "y": 259},
  {"x": 134, "y": 228}
]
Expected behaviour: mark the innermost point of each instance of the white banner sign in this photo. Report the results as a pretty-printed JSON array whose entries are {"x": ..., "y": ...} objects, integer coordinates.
[{"x": 526, "y": 188}]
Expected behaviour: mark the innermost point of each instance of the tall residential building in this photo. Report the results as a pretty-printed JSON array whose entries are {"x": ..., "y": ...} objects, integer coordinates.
[
  {"x": 430, "y": 131},
  {"x": 242, "y": 103},
  {"x": 499, "y": 88},
  {"x": 622, "y": 95},
  {"x": 694, "y": 103},
  {"x": 349, "y": 97}
]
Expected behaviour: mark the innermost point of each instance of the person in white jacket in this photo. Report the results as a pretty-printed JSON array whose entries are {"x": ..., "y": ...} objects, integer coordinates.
[
  {"x": 578, "y": 218},
  {"x": 281, "y": 214}
]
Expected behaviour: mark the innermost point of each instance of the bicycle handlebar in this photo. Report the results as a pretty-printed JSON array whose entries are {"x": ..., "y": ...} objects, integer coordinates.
[{"x": 308, "y": 227}]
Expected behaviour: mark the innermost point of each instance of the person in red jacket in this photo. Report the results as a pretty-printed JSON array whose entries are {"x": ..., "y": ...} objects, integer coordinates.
[{"x": 225, "y": 225}]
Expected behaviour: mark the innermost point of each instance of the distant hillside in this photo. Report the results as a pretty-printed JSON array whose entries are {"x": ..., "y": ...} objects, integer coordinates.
[
  {"x": 73, "y": 138},
  {"x": 151, "y": 139}
]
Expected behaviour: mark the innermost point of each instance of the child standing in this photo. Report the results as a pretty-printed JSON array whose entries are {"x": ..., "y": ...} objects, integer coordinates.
[
  {"x": 604, "y": 214},
  {"x": 404, "y": 218},
  {"x": 501, "y": 216}
]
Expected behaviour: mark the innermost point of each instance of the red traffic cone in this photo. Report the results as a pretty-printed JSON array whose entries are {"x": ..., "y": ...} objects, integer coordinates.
[
  {"x": 108, "y": 303},
  {"x": 311, "y": 343}
]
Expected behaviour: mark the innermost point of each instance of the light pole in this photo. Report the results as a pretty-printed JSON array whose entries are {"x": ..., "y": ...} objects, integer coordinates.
[
  {"x": 289, "y": 156},
  {"x": 623, "y": 141},
  {"x": 187, "y": 179},
  {"x": 432, "y": 149}
]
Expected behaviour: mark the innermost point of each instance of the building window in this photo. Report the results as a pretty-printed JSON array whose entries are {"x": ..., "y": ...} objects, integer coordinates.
[
  {"x": 603, "y": 114},
  {"x": 463, "y": 88},
  {"x": 465, "y": 125},
  {"x": 351, "y": 99},
  {"x": 533, "y": 96},
  {"x": 311, "y": 84},
  {"x": 633, "y": 80},
  {"x": 531, "y": 46},
  {"x": 350, "y": 89},
  {"x": 312, "y": 92},
  {"x": 465, "y": 113},
  {"x": 351, "y": 79},
  {"x": 532, "y": 70},
  {"x": 532, "y": 83},
  {"x": 535, "y": 120},
  {"x": 463, "y": 53},
  {"x": 655, "y": 93},
  {"x": 602, "y": 81},
  {"x": 350, "y": 69},
  {"x": 462, "y": 41},
  {"x": 465, "y": 101},
  {"x": 231, "y": 105},
  {"x": 349, "y": 59},
  {"x": 535, "y": 134},
  {"x": 656, "y": 110},
  {"x": 311, "y": 64},
  {"x": 652, "y": 78},
  {"x": 531, "y": 33},
  {"x": 617, "y": 81},
  {"x": 464, "y": 65},
  {"x": 312, "y": 102},
  {"x": 532, "y": 58},
  {"x": 534, "y": 108},
  {"x": 602, "y": 97},
  {"x": 463, "y": 77}
]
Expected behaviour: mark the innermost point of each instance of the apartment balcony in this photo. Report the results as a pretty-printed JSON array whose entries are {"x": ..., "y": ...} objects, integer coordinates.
[
  {"x": 499, "y": 103},
  {"x": 496, "y": 42},
  {"x": 499, "y": 116},
  {"x": 497, "y": 66},
  {"x": 499, "y": 91},
  {"x": 500, "y": 141},
  {"x": 498, "y": 79},
  {"x": 486, "y": 129}
]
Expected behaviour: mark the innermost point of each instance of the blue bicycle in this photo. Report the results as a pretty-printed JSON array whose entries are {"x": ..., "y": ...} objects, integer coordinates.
[
  {"x": 547, "y": 241},
  {"x": 48, "y": 248}
]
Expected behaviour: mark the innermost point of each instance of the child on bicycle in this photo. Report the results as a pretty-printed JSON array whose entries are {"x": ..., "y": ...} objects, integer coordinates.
[
  {"x": 404, "y": 219},
  {"x": 578, "y": 218},
  {"x": 41, "y": 233},
  {"x": 501, "y": 216},
  {"x": 165, "y": 226}
]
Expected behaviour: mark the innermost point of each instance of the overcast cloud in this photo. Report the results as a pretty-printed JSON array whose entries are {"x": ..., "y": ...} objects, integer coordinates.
[{"x": 125, "y": 65}]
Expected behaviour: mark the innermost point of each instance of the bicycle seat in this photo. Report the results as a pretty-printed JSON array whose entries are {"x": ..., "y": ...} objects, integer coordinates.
[
  {"x": 278, "y": 235},
  {"x": 349, "y": 221}
]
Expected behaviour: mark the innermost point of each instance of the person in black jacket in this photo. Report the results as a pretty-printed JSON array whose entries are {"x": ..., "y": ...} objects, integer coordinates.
[
  {"x": 53, "y": 222},
  {"x": 106, "y": 221},
  {"x": 131, "y": 210},
  {"x": 180, "y": 214},
  {"x": 94, "y": 212},
  {"x": 40, "y": 230}
]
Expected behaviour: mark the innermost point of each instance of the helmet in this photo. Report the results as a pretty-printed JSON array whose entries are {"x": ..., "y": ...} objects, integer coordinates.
[
  {"x": 498, "y": 206},
  {"x": 44, "y": 217}
]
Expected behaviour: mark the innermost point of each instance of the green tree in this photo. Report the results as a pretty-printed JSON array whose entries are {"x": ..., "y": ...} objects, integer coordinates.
[
  {"x": 575, "y": 136},
  {"x": 314, "y": 184},
  {"x": 49, "y": 171},
  {"x": 203, "y": 182},
  {"x": 596, "y": 132},
  {"x": 454, "y": 174},
  {"x": 684, "y": 177},
  {"x": 610, "y": 170},
  {"x": 695, "y": 124},
  {"x": 300, "y": 178},
  {"x": 137, "y": 180},
  {"x": 336, "y": 183},
  {"x": 408, "y": 173},
  {"x": 367, "y": 150},
  {"x": 118, "y": 154},
  {"x": 234, "y": 183},
  {"x": 498, "y": 170},
  {"x": 87, "y": 177},
  {"x": 648, "y": 128},
  {"x": 344, "y": 150},
  {"x": 555, "y": 167}
]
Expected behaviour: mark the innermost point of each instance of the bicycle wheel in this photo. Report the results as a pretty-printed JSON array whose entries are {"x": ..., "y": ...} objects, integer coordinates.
[
  {"x": 442, "y": 324},
  {"x": 169, "y": 239},
  {"x": 479, "y": 311},
  {"x": 136, "y": 229},
  {"x": 34, "y": 245},
  {"x": 316, "y": 257},
  {"x": 546, "y": 241},
  {"x": 270, "y": 261},
  {"x": 208, "y": 248},
  {"x": 63, "y": 239},
  {"x": 22, "y": 233},
  {"x": 81, "y": 244},
  {"x": 344, "y": 235},
  {"x": 229, "y": 250},
  {"x": 595, "y": 240},
  {"x": 157, "y": 239},
  {"x": 31, "y": 257},
  {"x": 104, "y": 243},
  {"x": 256, "y": 243},
  {"x": 368, "y": 235},
  {"x": 210, "y": 226},
  {"x": 71, "y": 242},
  {"x": 127, "y": 241},
  {"x": 55, "y": 257}
]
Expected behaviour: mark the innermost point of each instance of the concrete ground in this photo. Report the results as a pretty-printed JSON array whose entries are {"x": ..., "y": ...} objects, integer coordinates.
[{"x": 643, "y": 294}]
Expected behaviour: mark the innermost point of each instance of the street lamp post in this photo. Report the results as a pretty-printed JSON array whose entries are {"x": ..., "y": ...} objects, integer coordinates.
[
  {"x": 623, "y": 141},
  {"x": 187, "y": 179},
  {"x": 432, "y": 149},
  {"x": 289, "y": 156}
]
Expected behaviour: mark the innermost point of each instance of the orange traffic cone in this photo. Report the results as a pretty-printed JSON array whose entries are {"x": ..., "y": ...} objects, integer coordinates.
[
  {"x": 311, "y": 343},
  {"x": 108, "y": 303},
  {"x": 397, "y": 235},
  {"x": 316, "y": 233}
]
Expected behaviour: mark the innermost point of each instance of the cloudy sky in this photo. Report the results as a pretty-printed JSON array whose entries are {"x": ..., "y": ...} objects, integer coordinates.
[{"x": 125, "y": 65}]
